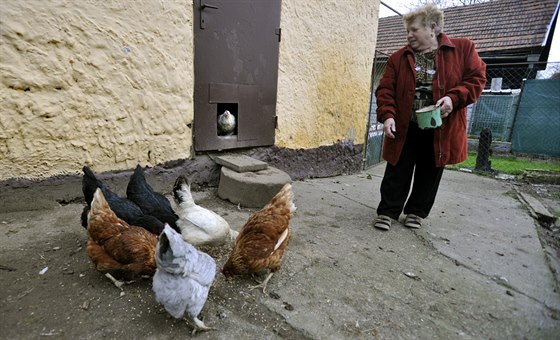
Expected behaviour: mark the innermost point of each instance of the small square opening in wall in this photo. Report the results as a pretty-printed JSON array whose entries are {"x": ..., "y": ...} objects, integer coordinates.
[{"x": 227, "y": 115}]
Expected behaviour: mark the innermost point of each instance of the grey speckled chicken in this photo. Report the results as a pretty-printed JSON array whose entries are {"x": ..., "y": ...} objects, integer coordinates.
[{"x": 183, "y": 277}]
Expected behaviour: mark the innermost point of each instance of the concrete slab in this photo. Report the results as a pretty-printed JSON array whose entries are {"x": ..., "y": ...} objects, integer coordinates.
[
  {"x": 478, "y": 222},
  {"x": 251, "y": 189},
  {"x": 538, "y": 210},
  {"x": 241, "y": 163}
]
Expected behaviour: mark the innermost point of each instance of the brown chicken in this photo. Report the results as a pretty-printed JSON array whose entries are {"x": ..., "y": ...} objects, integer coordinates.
[
  {"x": 263, "y": 239},
  {"x": 117, "y": 248}
]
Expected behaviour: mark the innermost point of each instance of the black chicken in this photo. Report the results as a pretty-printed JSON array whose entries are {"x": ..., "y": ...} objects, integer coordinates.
[
  {"x": 151, "y": 202},
  {"x": 122, "y": 207}
]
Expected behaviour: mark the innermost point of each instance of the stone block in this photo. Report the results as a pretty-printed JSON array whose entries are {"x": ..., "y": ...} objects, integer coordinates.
[
  {"x": 241, "y": 163},
  {"x": 251, "y": 189}
]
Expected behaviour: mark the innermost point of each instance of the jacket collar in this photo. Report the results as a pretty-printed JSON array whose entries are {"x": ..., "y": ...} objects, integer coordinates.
[{"x": 443, "y": 40}]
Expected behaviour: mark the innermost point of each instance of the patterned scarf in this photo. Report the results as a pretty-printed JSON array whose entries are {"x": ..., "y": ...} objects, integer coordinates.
[{"x": 425, "y": 66}]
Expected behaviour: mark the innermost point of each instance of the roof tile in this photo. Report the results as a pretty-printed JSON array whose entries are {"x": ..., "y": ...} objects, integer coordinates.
[{"x": 493, "y": 25}]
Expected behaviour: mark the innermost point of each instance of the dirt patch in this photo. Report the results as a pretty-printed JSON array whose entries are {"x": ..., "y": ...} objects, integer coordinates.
[
  {"x": 341, "y": 158},
  {"x": 549, "y": 196},
  {"x": 50, "y": 288}
]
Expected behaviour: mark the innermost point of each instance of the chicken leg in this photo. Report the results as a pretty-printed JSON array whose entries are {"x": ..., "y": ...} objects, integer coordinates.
[
  {"x": 116, "y": 282},
  {"x": 200, "y": 326},
  {"x": 263, "y": 284}
]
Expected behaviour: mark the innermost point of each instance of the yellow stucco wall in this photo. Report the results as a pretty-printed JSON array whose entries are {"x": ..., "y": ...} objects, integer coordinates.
[
  {"x": 107, "y": 83},
  {"x": 110, "y": 83},
  {"x": 326, "y": 55}
]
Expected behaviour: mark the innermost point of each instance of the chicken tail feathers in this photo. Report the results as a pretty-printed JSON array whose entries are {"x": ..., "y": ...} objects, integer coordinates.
[
  {"x": 138, "y": 181},
  {"x": 165, "y": 252},
  {"x": 84, "y": 216},
  {"x": 176, "y": 256},
  {"x": 150, "y": 202},
  {"x": 99, "y": 203},
  {"x": 88, "y": 173},
  {"x": 181, "y": 190},
  {"x": 89, "y": 184},
  {"x": 285, "y": 197}
]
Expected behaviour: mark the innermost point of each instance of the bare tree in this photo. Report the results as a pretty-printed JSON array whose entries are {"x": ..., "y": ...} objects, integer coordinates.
[
  {"x": 445, "y": 3},
  {"x": 468, "y": 2},
  {"x": 412, "y": 4}
]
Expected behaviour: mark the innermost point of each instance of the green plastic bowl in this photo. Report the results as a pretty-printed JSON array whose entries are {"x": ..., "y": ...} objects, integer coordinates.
[{"x": 429, "y": 117}]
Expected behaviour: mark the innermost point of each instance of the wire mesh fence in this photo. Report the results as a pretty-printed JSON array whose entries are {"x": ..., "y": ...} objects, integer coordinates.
[
  {"x": 374, "y": 138},
  {"x": 518, "y": 115}
]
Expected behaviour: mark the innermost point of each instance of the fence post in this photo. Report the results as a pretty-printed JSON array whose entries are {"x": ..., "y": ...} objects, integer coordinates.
[
  {"x": 514, "y": 119},
  {"x": 483, "y": 162}
]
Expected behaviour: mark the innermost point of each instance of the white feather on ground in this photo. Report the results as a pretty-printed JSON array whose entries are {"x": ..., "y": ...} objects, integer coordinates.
[{"x": 183, "y": 277}]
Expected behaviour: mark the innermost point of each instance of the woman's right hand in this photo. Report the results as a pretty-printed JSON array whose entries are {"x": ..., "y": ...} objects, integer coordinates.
[{"x": 389, "y": 127}]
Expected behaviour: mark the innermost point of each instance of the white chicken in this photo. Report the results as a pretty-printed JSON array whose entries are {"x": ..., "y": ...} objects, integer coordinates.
[
  {"x": 183, "y": 277},
  {"x": 226, "y": 123},
  {"x": 199, "y": 226}
]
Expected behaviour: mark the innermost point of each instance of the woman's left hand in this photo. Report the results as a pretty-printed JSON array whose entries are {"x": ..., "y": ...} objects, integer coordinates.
[{"x": 446, "y": 106}]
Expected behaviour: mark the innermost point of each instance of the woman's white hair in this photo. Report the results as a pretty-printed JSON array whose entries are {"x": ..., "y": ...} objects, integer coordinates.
[{"x": 429, "y": 14}]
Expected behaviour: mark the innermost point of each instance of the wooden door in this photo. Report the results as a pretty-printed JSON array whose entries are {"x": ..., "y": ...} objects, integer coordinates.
[{"x": 236, "y": 46}]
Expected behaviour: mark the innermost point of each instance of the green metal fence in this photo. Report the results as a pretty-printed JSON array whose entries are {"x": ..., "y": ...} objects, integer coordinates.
[{"x": 536, "y": 129}]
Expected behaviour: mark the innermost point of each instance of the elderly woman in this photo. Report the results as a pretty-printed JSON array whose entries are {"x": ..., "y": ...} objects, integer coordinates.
[{"x": 431, "y": 69}]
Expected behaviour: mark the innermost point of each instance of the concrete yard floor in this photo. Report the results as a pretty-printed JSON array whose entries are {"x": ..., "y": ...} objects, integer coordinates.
[{"x": 475, "y": 270}]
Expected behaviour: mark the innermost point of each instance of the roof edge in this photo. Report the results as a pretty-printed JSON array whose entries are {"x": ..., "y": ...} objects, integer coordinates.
[{"x": 551, "y": 25}]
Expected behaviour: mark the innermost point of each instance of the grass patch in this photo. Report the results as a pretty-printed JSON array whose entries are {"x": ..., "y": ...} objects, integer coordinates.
[{"x": 509, "y": 164}]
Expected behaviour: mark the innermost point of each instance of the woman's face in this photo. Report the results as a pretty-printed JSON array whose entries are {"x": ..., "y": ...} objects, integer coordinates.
[{"x": 420, "y": 37}]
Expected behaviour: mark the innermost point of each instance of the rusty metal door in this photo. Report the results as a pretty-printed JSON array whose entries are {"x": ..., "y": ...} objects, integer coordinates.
[{"x": 236, "y": 45}]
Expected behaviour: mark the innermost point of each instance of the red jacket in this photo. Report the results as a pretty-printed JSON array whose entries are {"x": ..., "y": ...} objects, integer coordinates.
[{"x": 461, "y": 75}]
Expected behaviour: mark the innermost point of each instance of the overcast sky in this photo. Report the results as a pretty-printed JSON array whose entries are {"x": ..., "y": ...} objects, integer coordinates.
[
  {"x": 399, "y": 5},
  {"x": 402, "y": 6}
]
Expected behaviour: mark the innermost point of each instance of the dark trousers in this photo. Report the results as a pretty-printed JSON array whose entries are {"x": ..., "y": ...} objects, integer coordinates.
[{"x": 416, "y": 166}]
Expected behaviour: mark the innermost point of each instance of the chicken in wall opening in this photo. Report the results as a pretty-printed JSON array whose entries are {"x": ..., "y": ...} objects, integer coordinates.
[{"x": 227, "y": 115}]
